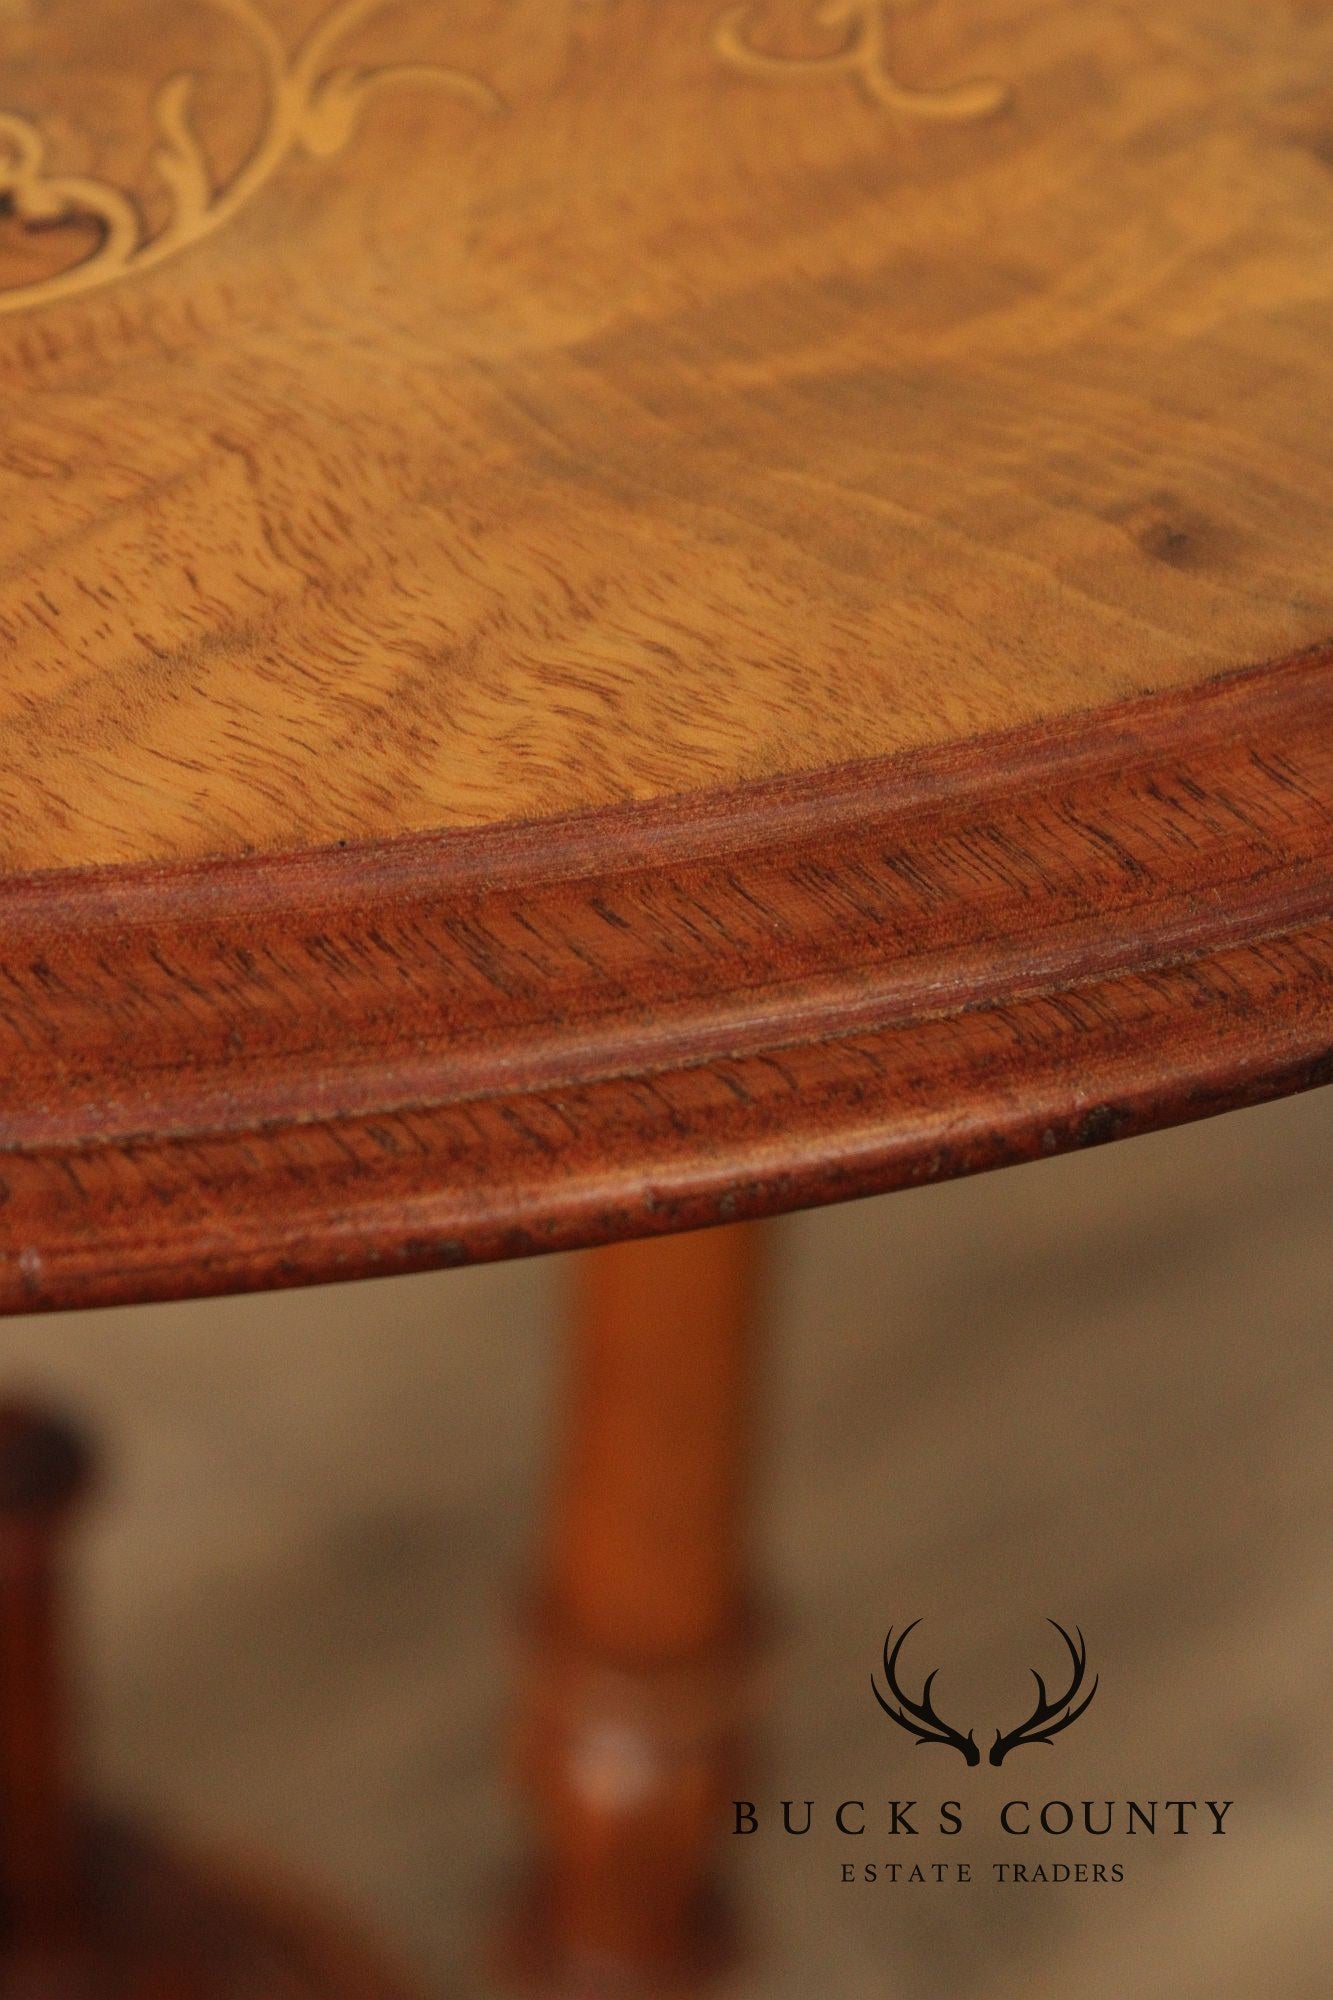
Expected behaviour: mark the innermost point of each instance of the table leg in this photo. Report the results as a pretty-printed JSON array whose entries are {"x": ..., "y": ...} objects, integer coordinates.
[
  {"x": 633, "y": 1704},
  {"x": 91, "y": 1909},
  {"x": 44, "y": 1471}
]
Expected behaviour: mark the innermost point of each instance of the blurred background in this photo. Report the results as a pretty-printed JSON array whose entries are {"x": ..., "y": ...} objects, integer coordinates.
[{"x": 1098, "y": 1389}]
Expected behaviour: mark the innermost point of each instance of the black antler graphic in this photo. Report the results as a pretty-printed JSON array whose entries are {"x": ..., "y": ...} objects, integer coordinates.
[
  {"x": 918, "y": 1718},
  {"x": 1048, "y": 1718}
]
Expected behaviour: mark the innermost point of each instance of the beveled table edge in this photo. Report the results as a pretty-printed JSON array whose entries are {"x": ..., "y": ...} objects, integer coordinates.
[{"x": 479, "y": 1044}]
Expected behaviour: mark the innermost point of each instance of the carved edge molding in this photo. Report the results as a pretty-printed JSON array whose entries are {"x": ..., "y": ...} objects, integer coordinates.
[
  {"x": 312, "y": 104},
  {"x": 291, "y": 1068}
]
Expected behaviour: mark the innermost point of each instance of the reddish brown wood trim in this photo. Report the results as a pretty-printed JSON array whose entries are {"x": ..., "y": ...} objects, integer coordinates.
[{"x": 484, "y": 1044}]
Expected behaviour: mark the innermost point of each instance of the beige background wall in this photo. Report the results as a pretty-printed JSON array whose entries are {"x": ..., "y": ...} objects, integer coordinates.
[{"x": 1098, "y": 1389}]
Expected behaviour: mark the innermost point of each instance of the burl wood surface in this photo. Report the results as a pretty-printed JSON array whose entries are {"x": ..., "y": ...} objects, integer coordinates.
[{"x": 417, "y": 415}]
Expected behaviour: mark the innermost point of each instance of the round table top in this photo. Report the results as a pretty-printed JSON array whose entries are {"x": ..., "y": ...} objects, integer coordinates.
[{"x": 619, "y": 613}]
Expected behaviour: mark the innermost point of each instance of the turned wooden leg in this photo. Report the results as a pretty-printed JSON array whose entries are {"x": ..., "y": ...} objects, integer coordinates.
[
  {"x": 633, "y": 1707},
  {"x": 92, "y": 1911},
  {"x": 44, "y": 1470}
]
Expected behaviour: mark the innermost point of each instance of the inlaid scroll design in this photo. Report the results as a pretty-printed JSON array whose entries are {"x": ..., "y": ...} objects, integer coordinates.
[
  {"x": 312, "y": 104},
  {"x": 864, "y": 54}
]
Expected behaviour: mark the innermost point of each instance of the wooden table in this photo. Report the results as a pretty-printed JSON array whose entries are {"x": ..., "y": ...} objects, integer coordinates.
[{"x": 621, "y": 615}]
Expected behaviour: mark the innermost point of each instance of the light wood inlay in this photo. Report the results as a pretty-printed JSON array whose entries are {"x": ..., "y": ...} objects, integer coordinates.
[
  {"x": 667, "y": 426},
  {"x": 309, "y": 104},
  {"x": 862, "y": 53}
]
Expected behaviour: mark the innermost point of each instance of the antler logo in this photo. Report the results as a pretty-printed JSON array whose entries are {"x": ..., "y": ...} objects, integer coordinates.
[
  {"x": 1045, "y": 1723},
  {"x": 918, "y": 1718},
  {"x": 1048, "y": 1718}
]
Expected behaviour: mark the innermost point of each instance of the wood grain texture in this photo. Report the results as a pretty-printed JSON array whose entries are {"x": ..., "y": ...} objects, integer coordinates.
[
  {"x": 480, "y": 412},
  {"x": 478, "y": 1045}
]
